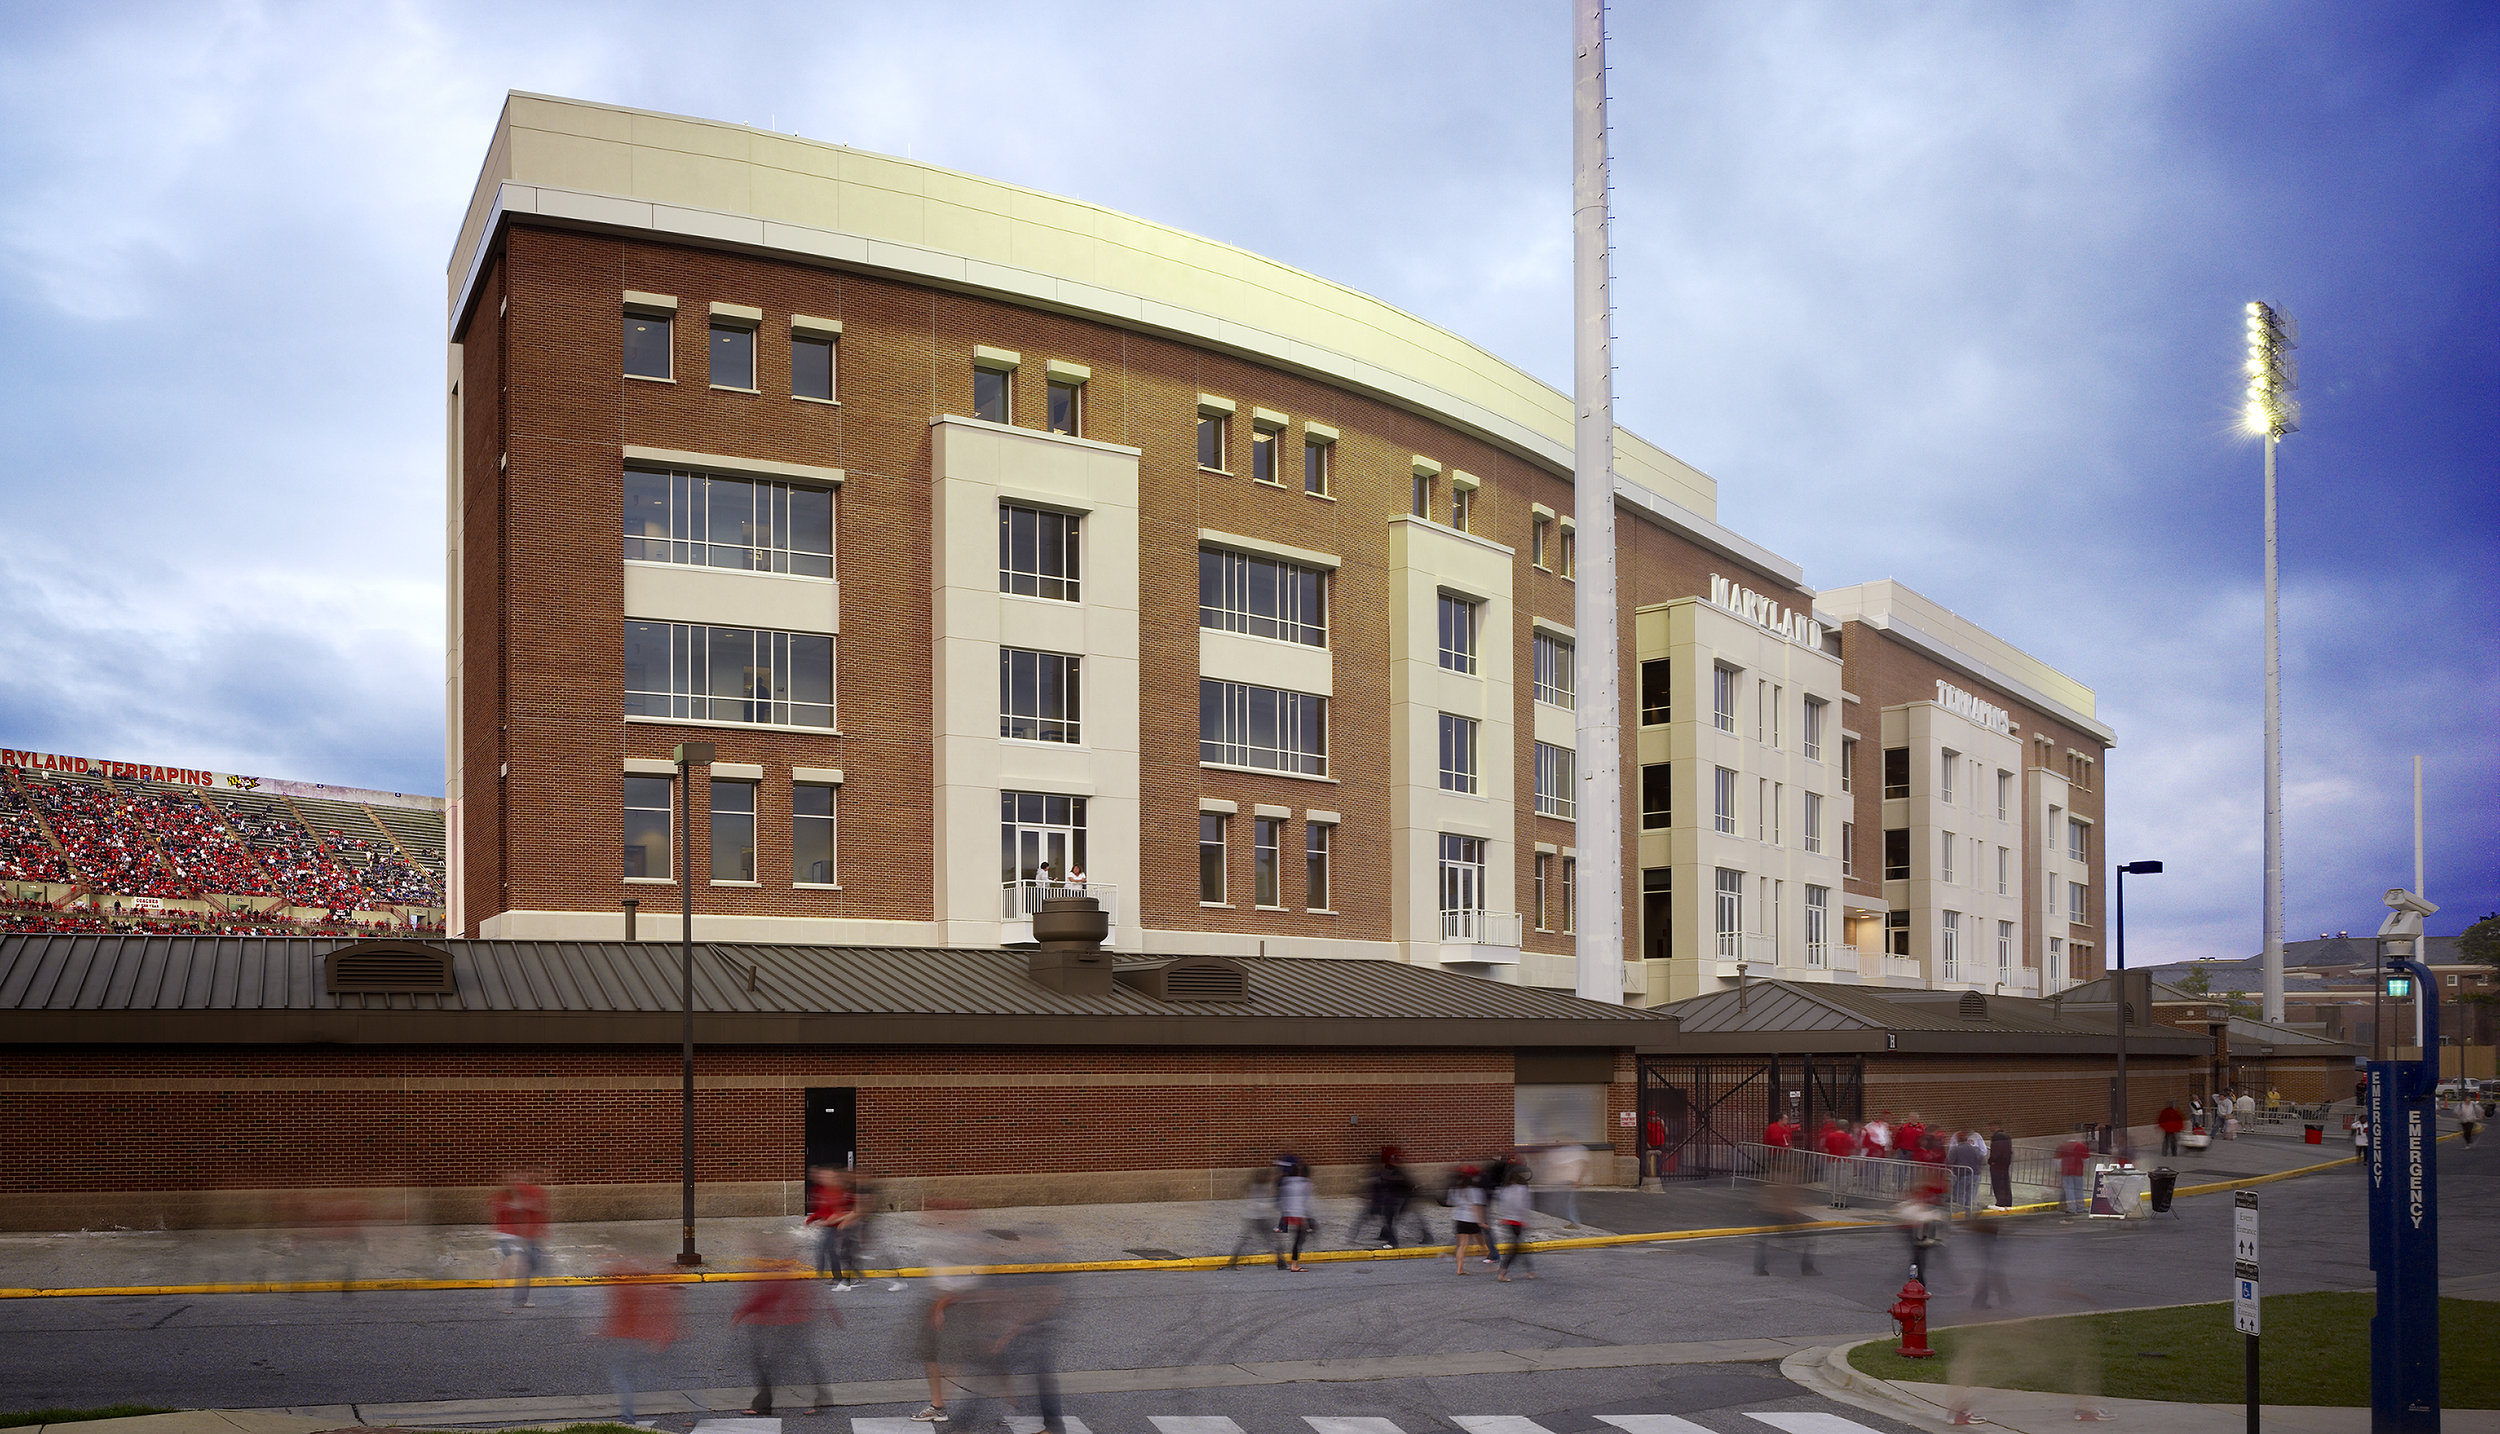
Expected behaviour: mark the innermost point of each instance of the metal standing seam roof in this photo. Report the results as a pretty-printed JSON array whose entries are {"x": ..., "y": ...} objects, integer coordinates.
[
  {"x": 1784, "y": 1007},
  {"x": 93, "y": 972}
]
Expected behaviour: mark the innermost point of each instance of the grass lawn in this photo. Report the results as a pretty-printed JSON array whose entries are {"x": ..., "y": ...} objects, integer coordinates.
[
  {"x": 2316, "y": 1350},
  {"x": 28, "y": 1417}
]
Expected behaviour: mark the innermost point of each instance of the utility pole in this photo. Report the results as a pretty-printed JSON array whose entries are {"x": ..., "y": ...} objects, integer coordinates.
[{"x": 1598, "y": 815}]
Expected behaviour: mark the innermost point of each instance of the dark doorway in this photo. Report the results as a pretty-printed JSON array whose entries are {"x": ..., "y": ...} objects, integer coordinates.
[{"x": 832, "y": 1127}]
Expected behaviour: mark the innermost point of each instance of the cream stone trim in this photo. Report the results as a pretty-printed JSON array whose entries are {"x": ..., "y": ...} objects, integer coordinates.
[
  {"x": 650, "y": 767},
  {"x": 1211, "y": 406},
  {"x": 1505, "y": 549},
  {"x": 1219, "y": 806},
  {"x": 636, "y": 299},
  {"x": 817, "y": 776},
  {"x": 1319, "y": 432},
  {"x": 1320, "y": 818},
  {"x": 1571, "y": 853},
  {"x": 1001, "y": 360},
  {"x": 1540, "y": 513},
  {"x": 1269, "y": 420},
  {"x": 1423, "y": 467},
  {"x": 1464, "y": 481},
  {"x": 1266, "y": 549},
  {"x": 1848, "y": 696},
  {"x": 1066, "y": 372},
  {"x": 1265, "y": 809},
  {"x": 1547, "y": 848},
  {"x": 811, "y": 326},
  {"x": 1552, "y": 628},
  {"x": 728, "y": 463},
  {"x": 746, "y": 314},
  {"x": 1570, "y": 526},
  {"x": 738, "y": 772}
]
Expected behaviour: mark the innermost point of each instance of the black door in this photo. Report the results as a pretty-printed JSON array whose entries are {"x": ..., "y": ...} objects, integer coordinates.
[{"x": 832, "y": 1127}]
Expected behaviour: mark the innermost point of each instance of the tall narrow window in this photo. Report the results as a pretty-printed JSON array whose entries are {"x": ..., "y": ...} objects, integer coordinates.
[
  {"x": 1556, "y": 671},
  {"x": 2078, "y": 840},
  {"x": 811, "y": 834},
  {"x": 733, "y": 355},
  {"x": 1761, "y": 806},
  {"x": 1947, "y": 876},
  {"x": 646, "y": 344},
  {"x": 1849, "y": 849},
  {"x": 1540, "y": 532},
  {"x": 1037, "y": 553},
  {"x": 2005, "y": 867},
  {"x": 1779, "y": 706},
  {"x": 1723, "y": 801},
  {"x": 1211, "y": 858},
  {"x": 1730, "y": 922},
  {"x": 1317, "y": 837},
  {"x": 1214, "y": 433},
  {"x": 1544, "y": 868},
  {"x": 1458, "y": 634},
  {"x": 993, "y": 394},
  {"x": 1267, "y": 837},
  {"x": 1657, "y": 707},
  {"x": 647, "y": 804},
  {"x": 1554, "y": 781},
  {"x": 2078, "y": 903},
  {"x": 1896, "y": 933},
  {"x": 1848, "y": 764},
  {"x": 1897, "y": 854},
  {"x": 2005, "y": 796},
  {"x": 1658, "y": 913},
  {"x": 2057, "y": 822},
  {"x": 1818, "y": 925},
  {"x": 1571, "y": 894},
  {"x": 1723, "y": 698},
  {"x": 811, "y": 367},
  {"x": 1039, "y": 696},
  {"x": 1421, "y": 504},
  {"x": 1657, "y": 796},
  {"x": 1896, "y": 772},
  {"x": 2057, "y": 961},
  {"x": 1462, "y": 887},
  {"x": 1262, "y": 454},
  {"x": 1761, "y": 706},
  {"x": 1067, "y": 407},
  {"x": 1315, "y": 459},
  {"x": 1952, "y": 946},
  {"x": 1816, "y": 707},
  {"x": 1779, "y": 805},
  {"x": 1570, "y": 551},
  {"x": 733, "y": 831},
  {"x": 2005, "y": 949},
  {"x": 1814, "y": 821},
  {"x": 1463, "y": 509},
  {"x": 1458, "y": 753},
  {"x": 1952, "y": 760}
]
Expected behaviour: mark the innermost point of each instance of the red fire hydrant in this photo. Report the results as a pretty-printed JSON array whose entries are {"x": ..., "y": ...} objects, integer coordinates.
[{"x": 1911, "y": 1312}]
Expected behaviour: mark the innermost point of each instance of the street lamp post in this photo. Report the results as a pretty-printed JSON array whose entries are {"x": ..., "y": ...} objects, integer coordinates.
[
  {"x": 2118, "y": 993},
  {"x": 687, "y": 756},
  {"x": 2272, "y": 411}
]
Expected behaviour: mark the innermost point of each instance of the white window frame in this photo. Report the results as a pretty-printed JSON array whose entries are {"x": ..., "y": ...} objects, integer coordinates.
[
  {"x": 1267, "y": 849},
  {"x": 1950, "y": 947},
  {"x": 1723, "y": 697},
  {"x": 1723, "y": 800},
  {"x": 1817, "y": 710},
  {"x": 1221, "y": 825},
  {"x": 1946, "y": 875},
  {"x": 1952, "y": 759},
  {"x": 1557, "y": 771},
  {"x": 1458, "y": 739},
  {"x": 1557, "y": 671},
  {"x": 1729, "y": 913},
  {"x": 1460, "y": 620},
  {"x": 1818, "y": 924},
  {"x": 1814, "y": 821}
]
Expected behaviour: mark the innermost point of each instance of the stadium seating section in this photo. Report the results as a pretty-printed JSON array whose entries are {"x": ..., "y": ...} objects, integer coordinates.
[{"x": 120, "y": 840}]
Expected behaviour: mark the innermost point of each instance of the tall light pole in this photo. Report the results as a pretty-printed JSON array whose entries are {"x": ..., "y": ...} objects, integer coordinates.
[
  {"x": 688, "y": 755},
  {"x": 2126, "y": 1123},
  {"x": 1598, "y": 818},
  {"x": 2271, "y": 410}
]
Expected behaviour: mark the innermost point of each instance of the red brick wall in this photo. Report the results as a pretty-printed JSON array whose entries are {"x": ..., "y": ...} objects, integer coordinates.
[{"x": 2033, "y": 1095}]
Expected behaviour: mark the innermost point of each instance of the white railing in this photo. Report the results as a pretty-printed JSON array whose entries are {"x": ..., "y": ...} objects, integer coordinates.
[
  {"x": 1482, "y": 928},
  {"x": 1904, "y": 966},
  {"x": 1841, "y": 958},
  {"x": 1018, "y": 900}
]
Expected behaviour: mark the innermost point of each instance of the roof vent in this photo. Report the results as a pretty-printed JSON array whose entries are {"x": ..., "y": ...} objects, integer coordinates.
[
  {"x": 1973, "y": 1006},
  {"x": 1190, "y": 978},
  {"x": 389, "y": 968}
]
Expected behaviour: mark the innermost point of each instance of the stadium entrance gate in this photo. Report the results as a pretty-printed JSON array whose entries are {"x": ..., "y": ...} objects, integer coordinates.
[{"x": 1713, "y": 1107}]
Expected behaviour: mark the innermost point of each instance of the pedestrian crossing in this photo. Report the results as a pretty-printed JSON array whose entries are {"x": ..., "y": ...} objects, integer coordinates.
[{"x": 1785, "y": 1421}]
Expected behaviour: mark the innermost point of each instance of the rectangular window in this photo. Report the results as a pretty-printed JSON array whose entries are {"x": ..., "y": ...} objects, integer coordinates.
[
  {"x": 2005, "y": 795},
  {"x": 1244, "y": 726},
  {"x": 1571, "y": 893},
  {"x": 1947, "y": 876},
  {"x": 1316, "y": 839},
  {"x": 1896, "y": 772},
  {"x": 2078, "y": 903},
  {"x": 1458, "y": 634},
  {"x": 2005, "y": 949},
  {"x": 1814, "y": 821},
  {"x": 993, "y": 394},
  {"x": 1262, "y": 455},
  {"x": 1420, "y": 503},
  {"x": 647, "y": 803},
  {"x": 2057, "y": 821},
  {"x": 1267, "y": 838},
  {"x": 749, "y": 524},
  {"x": 1544, "y": 869},
  {"x": 1848, "y": 764},
  {"x": 1657, "y": 796},
  {"x": 1037, "y": 553},
  {"x": 1262, "y": 597},
  {"x": 733, "y": 355},
  {"x": 1039, "y": 696},
  {"x": 1723, "y": 698},
  {"x": 1557, "y": 671},
  {"x": 1462, "y": 887},
  {"x": 811, "y": 834},
  {"x": 1849, "y": 849},
  {"x": 1897, "y": 854},
  {"x": 1779, "y": 705},
  {"x": 728, "y": 674},
  {"x": 1211, "y": 858},
  {"x": 1730, "y": 917},
  {"x": 1067, "y": 407},
  {"x": 1570, "y": 552},
  {"x": 2057, "y": 961},
  {"x": 811, "y": 368},
  {"x": 1538, "y": 531},
  {"x": 1761, "y": 805},
  {"x": 2078, "y": 840},
  {"x": 733, "y": 831},
  {"x": 1723, "y": 801},
  {"x": 1896, "y": 933},
  {"x": 2005, "y": 870},
  {"x": 1951, "y": 760},
  {"x": 1554, "y": 778},
  {"x": 1815, "y": 708},
  {"x": 1315, "y": 462},
  {"x": 1458, "y": 753},
  {"x": 647, "y": 346},
  {"x": 1657, "y": 706},
  {"x": 1658, "y": 913},
  {"x": 1463, "y": 509},
  {"x": 1778, "y": 901},
  {"x": 1818, "y": 925},
  {"x": 1041, "y": 837},
  {"x": 1761, "y": 706},
  {"x": 1215, "y": 431},
  {"x": 1952, "y": 952},
  {"x": 1779, "y": 806}
]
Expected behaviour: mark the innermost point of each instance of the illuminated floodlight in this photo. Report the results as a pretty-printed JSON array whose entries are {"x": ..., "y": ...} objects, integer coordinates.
[{"x": 2268, "y": 406}]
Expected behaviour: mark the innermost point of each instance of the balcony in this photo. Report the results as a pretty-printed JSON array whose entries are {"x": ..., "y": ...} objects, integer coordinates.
[
  {"x": 1903, "y": 968},
  {"x": 1018, "y": 900},
  {"x": 1481, "y": 937}
]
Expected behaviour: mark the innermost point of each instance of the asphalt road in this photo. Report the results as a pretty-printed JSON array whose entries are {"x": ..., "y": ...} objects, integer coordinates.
[{"x": 246, "y": 1351}]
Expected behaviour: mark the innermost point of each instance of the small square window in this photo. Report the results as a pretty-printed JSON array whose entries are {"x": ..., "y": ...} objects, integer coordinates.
[
  {"x": 811, "y": 368},
  {"x": 1067, "y": 407},
  {"x": 991, "y": 396},
  {"x": 733, "y": 356},
  {"x": 646, "y": 346},
  {"x": 1315, "y": 466}
]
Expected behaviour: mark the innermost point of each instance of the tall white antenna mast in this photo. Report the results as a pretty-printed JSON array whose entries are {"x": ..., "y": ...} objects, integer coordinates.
[{"x": 1598, "y": 949}]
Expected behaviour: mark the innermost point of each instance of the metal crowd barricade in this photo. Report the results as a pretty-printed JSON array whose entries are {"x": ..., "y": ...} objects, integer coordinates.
[{"x": 1865, "y": 1180}]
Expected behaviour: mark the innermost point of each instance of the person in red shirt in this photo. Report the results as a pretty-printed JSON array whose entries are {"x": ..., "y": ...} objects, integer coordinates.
[
  {"x": 779, "y": 1311},
  {"x": 1837, "y": 1140},
  {"x": 642, "y": 1321},
  {"x": 2074, "y": 1160},
  {"x": 1779, "y": 1134},
  {"x": 2171, "y": 1123},
  {"x": 1910, "y": 1138},
  {"x": 520, "y": 1214},
  {"x": 830, "y": 1210},
  {"x": 1654, "y": 1145}
]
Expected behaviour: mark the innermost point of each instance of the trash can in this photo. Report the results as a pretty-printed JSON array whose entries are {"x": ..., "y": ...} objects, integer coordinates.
[
  {"x": 2312, "y": 1133},
  {"x": 2165, "y": 1182}
]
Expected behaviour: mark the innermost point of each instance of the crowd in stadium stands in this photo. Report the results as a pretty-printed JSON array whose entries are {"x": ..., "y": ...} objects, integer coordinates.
[
  {"x": 108, "y": 850},
  {"x": 24, "y": 854},
  {"x": 305, "y": 873},
  {"x": 39, "y": 916}
]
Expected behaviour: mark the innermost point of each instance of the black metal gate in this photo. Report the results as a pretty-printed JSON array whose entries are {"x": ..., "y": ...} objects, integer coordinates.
[{"x": 1709, "y": 1109}]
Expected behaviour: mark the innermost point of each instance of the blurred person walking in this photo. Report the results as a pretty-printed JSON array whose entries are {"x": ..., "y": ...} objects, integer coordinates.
[
  {"x": 1511, "y": 1206},
  {"x": 2171, "y": 1123},
  {"x": 2001, "y": 1165},
  {"x": 1293, "y": 1206},
  {"x": 954, "y": 1285},
  {"x": 1259, "y": 1215},
  {"x": 520, "y": 1214},
  {"x": 779, "y": 1313},
  {"x": 859, "y": 1240},
  {"x": 1392, "y": 1191},
  {"x": 641, "y": 1323},
  {"x": 1025, "y": 1310},
  {"x": 1564, "y": 1169},
  {"x": 828, "y": 1214},
  {"x": 1965, "y": 1158},
  {"x": 2074, "y": 1163},
  {"x": 1783, "y": 1204},
  {"x": 1465, "y": 1197}
]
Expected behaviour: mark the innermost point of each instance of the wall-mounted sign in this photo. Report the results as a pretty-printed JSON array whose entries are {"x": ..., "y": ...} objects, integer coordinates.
[
  {"x": 1799, "y": 628},
  {"x": 1961, "y": 704}
]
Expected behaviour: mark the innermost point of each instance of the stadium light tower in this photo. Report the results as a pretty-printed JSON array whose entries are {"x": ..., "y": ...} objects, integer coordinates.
[{"x": 2271, "y": 410}]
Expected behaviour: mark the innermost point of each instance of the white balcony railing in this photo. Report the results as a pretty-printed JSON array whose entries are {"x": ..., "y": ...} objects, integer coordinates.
[
  {"x": 1018, "y": 900},
  {"x": 1841, "y": 958},
  {"x": 1482, "y": 928},
  {"x": 1906, "y": 967}
]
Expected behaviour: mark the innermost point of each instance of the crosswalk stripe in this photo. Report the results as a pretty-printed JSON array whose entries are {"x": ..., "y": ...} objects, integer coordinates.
[
  {"x": 1652, "y": 1424},
  {"x": 1497, "y": 1424},
  {"x": 891, "y": 1426},
  {"x": 1032, "y": 1424},
  {"x": 1806, "y": 1422},
  {"x": 1362, "y": 1425},
  {"x": 1194, "y": 1424}
]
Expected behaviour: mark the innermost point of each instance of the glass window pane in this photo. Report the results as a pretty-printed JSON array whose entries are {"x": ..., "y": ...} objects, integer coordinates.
[
  {"x": 811, "y": 368},
  {"x": 989, "y": 395},
  {"x": 646, "y": 346},
  {"x": 733, "y": 357},
  {"x": 811, "y": 531},
  {"x": 1063, "y": 398}
]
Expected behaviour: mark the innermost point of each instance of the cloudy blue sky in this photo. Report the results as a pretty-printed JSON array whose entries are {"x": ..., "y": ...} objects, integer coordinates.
[{"x": 1948, "y": 293}]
